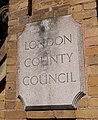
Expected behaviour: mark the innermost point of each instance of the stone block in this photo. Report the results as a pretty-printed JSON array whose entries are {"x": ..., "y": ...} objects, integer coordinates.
[
  {"x": 11, "y": 86},
  {"x": 89, "y": 114},
  {"x": 40, "y": 16},
  {"x": 73, "y": 2},
  {"x": 92, "y": 70},
  {"x": 36, "y": 6},
  {"x": 93, "y": 60},
  {"x": 76, "y": 8},
  {"x": 11, "y": 77},
  {"x": 2, "y": 105},
  {"x": 13, "y": 1},
  {"x": 12, "y": 22},
  {"x": 92, "y": 51},
  {"x": 59, "y": 2},
  {"x": 10, "y": 95},
  {"x": 14, "y": 7},
  {"x": 93, "y": 102},
  {"x": 2, "y": 97},
  {"x": 46, "y": 4},
  {"x": 11, "y": 60},
  {"x": 40, "y": 114},
  {"x": 19, "y": 105},
  {"x": 11, "y": 52},
  {"x": 65, "y": 2},
  {"x": 83, "y": 103},
  {"x": 15, "y": 115},
  {"x": 17, "y": 14},
  {"x": 2, "y": 115},
  {"x": 12, "y": 37},
  {"x": 78, "y": 16},
  {"x": 11, "y": 68},
  {"x": 12, "y": 45},
  {"x": 91, "y": 42},
  {"x": 61, "y": 11},
  {"x": 92, "y": 81},
  {"x": 10, "y": 105},
  {"x": 91, "y": 5},
  {"x": 23, "y": 20},
  {"x": 93, "y": 91},
  {"x": 23, "y": 4},
  {"x": 90, "y": 23},
  {"x": 89, "y": 13},
  {"x": 13, "y": 30},
  {"x": 64, "y": 114}
]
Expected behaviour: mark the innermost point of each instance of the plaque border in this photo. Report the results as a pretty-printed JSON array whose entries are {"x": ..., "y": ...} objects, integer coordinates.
[{"x": 81, "y": 93}]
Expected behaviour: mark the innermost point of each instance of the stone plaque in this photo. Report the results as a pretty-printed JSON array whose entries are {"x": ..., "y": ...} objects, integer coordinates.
[{"x": 51, "y": 67}]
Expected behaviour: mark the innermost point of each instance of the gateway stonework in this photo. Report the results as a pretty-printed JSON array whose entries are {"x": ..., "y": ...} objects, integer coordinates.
[{"x": 51, "y": 67}]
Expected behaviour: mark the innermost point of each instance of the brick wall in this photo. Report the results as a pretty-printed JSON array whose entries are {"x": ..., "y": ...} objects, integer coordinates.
[{"x": 84, "y": 12}]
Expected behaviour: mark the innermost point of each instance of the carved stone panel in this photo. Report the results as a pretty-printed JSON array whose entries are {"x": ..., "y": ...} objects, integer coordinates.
[{"x": 50, "y": 64}]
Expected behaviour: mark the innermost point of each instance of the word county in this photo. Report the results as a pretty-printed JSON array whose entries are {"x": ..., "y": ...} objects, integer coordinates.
[{"x": 48, "y": 60}]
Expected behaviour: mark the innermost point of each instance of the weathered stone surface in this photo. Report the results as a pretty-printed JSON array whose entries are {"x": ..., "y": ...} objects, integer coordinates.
[{"x": 50, "y": 58}]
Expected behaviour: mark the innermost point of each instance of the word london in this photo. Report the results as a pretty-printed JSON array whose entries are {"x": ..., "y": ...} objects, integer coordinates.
[{"x": 59, "y": 40}]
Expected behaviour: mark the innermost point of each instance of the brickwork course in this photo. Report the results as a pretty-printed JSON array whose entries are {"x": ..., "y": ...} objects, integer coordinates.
[{"x": 21, "y": 12}]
